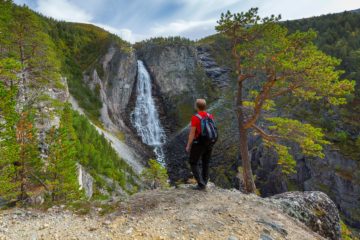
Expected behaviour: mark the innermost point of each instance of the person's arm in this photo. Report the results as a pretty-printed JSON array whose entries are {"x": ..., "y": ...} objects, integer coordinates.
[{"x": 191, "y": 138}]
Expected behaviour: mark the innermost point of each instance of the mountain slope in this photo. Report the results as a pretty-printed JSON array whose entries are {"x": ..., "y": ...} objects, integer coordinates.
[{"x": 54, "y": 56}]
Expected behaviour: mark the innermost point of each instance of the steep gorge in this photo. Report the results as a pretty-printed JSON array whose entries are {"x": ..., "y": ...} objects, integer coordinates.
[{"x": 182, "y": 71}]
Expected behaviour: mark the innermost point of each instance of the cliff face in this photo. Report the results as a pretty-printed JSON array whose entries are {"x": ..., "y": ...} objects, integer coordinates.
[
  {"x": 114, "y": 77},
  {"x": 178, "y": 80}
]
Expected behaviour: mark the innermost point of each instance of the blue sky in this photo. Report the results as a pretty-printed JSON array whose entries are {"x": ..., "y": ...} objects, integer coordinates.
[{"x": 135, "y": 20}]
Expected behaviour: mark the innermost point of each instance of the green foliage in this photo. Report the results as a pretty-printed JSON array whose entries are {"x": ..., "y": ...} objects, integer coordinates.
[
  {"x": 339, "y": 36},
  {"x": 37, "y": 49},
  {"x": 220, "y": 47},
  {"x": 61, "y": 170},
  {"x": 285, "y": 159},
  {"x": 162, "y": 41},
  {"x": 279, "y": 64},
  {"x": 96, "y": 154},
  {"x": 9, "y": 149},
  {"x": 309, "y": 138},
  {"x": 345, "y": 232},
  {"x": 9, "y": 67},
  {"x": 29, "y": 164},
  {"x": 341, "y": 136},
  {"x": 80, "y": 46},
  {"x": 155, "y": 175},
  {"x": 24, "y": 42}
]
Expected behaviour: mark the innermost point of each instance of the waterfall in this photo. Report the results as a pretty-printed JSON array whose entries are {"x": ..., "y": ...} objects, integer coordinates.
[{"x": 145, "y": 117}]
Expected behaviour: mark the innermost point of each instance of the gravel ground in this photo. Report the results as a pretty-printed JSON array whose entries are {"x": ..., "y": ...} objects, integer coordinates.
[{"x": 179, "y": 213}]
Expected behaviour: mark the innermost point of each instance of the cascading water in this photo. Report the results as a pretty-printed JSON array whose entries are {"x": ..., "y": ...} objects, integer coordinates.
[{"x": 145, "y": 117}]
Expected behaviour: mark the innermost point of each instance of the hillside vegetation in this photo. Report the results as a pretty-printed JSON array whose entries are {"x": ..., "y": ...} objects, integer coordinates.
[{"x": 45, "y": 139}]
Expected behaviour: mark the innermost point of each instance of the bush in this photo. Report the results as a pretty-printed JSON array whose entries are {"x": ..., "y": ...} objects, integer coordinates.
[{"x": 155, "y": 176}]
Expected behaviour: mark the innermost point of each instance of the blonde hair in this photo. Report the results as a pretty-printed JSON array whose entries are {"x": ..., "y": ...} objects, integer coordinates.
[{"x": 200, "y": 104}]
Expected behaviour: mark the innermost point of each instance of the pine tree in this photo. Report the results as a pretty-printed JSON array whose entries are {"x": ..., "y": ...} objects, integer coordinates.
[
  {"x": 33, "y": 48},
  {"x": 29, "y": 164},
  {"x": 279, "y": 64},
  {"x": 5, "y": 18},
  {"x": 9, "y": 149},
  {"x": 61, "y": 171}
]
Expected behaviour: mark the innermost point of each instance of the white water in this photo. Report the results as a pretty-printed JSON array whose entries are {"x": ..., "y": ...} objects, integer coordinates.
[{"x": 145, "y": 117}]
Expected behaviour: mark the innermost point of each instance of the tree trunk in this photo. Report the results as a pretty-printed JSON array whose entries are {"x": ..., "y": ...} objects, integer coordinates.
[{"x": 243, "y": 145}]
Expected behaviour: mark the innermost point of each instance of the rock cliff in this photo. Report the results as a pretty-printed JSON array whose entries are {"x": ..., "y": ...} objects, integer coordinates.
[{"x": 178, "y": 79}]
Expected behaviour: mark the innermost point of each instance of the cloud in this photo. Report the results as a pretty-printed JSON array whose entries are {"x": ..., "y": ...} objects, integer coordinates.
[
  {"x": 63, "y": 10},
  {"x": 124, "y": 33},
  {"x": 184, "y": 28},
  {"x": 136, "y": 20}
]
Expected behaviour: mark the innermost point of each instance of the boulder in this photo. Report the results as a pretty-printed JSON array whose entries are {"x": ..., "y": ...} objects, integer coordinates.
[{"x": 315, "y": 209}]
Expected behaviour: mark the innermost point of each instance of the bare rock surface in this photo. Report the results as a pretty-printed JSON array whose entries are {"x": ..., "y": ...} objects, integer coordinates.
[
  {"x": 180, "y": 213},
  {"x": 313, "y": 208}
]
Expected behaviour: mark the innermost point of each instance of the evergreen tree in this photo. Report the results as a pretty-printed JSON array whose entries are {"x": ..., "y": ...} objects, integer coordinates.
[
  {"x": 33, "y": 48},
  {"x": 5, "y": 18},
  {"x": 9, "y": 149},
  {"x": 29, "y": 164},
  {"x": 61, "y": 170},
  {"x": 279, "y": 64},
  {"x": 155, "y": 175}
]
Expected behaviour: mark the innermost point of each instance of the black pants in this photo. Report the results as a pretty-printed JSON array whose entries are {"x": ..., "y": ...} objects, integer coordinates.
[{"x": 203, "y": 152}]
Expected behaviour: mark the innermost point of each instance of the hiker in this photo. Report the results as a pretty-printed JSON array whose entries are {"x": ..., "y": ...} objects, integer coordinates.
[{"x": 202, "y": 137}]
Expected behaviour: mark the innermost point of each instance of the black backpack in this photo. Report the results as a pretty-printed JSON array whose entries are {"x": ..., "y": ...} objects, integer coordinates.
[{"x": 209, "y": 133}]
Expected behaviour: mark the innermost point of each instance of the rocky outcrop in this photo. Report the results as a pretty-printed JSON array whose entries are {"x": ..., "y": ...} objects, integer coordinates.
[
  {"x": 219, "y": 75},
  {"x": 172, "y": 67},
  {"x": 114, "y": 77},
  {"x": 47, "y": 115},
  {"x": 85, "y": 180},
  {"x": 315, "y": 209},
  {"x": 177, "y": 213}
]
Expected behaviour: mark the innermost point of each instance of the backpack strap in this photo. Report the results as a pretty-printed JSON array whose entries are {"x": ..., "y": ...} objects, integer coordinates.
[{"x": 199, "y": 116}]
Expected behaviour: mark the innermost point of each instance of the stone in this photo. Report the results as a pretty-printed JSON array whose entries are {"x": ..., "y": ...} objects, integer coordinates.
[
  {"x": 107, "y": 222},
  {"x": 86, "y": 181},
  {"x": 232, "y": 238},
  {"x": 129, "y": 231},
  {"x": 265, "y": 237},
  {"x": 315, "y": 209},
  {"x": 274, "y": 226}
]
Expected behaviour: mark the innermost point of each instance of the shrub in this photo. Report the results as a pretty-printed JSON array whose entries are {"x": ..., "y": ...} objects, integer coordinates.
[{"x": 155, "y": 176}]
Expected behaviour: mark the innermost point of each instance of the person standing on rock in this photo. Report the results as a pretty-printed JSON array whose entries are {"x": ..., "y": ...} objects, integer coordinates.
[{"x": 202, "y": 137}]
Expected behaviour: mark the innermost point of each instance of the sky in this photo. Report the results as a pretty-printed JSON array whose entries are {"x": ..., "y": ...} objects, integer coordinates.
[{"x": 136, "y": 20}]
